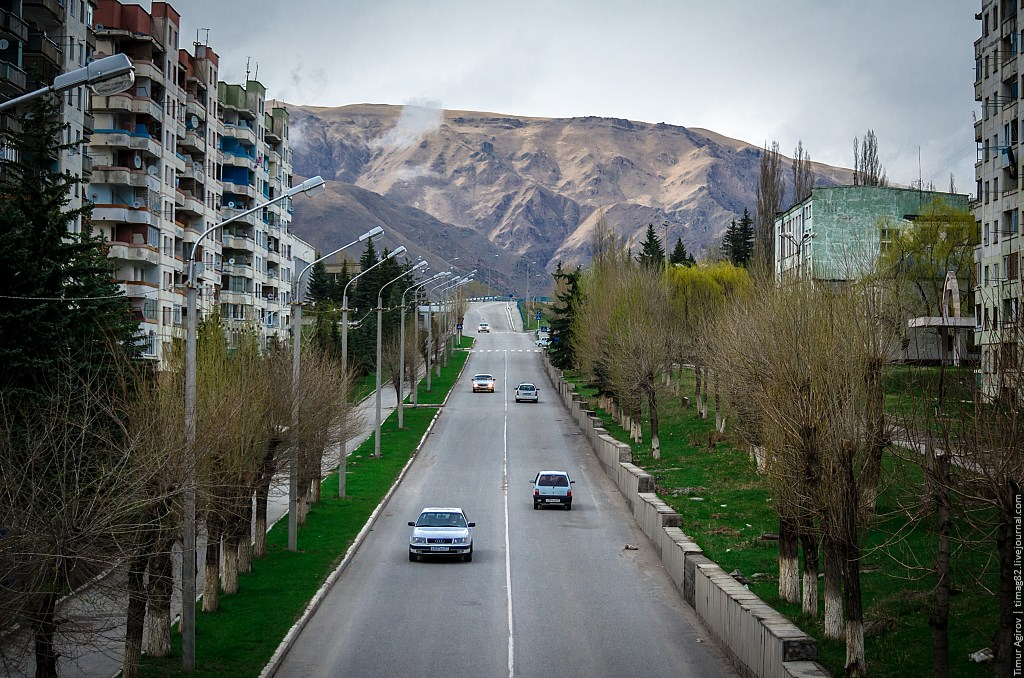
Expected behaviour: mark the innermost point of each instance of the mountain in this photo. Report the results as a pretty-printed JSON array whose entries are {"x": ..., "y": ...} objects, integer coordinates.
[{"x": 498, "y": 191}]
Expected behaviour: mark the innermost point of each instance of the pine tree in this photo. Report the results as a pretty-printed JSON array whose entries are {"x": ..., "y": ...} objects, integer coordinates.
[
  {"x": 679, "y": 256},
  {"x": 652, "y": 253},
  {"x": 567, "y": 300},
  {"x": 320, "y": 283},
  {"x": 738, "y": 241},
  {"x": 62, "y": 299},
  {"x": 731, "y": 242}
]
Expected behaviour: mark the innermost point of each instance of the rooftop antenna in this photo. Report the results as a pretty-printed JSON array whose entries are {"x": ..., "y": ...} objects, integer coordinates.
[
  {"x": 197, "y": 43},
  {"x": 247, "y": 68},
  {"x": 256, "y": 75}
]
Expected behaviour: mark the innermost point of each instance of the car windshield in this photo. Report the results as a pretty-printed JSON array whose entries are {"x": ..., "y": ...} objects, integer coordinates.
[
  {"x": 483, "y": 377},
  {"x": 441, "y": 519},
  {"x": 525, "y": 387},
  {"x": 553, "y": 481}
]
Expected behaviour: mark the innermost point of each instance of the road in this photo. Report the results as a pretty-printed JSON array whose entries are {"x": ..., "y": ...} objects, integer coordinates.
[{"x": 549, "y": 592}]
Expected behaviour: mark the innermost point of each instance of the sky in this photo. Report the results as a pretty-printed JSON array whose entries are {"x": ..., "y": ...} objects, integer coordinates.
[{"x": 820, "y": 72}]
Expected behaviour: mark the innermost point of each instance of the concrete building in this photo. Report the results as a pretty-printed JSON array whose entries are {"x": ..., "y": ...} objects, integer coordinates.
[
  {"x": 834, "y": 236},
  {"x": 999, "y": 69},
  {"x": 173, "y": 157}
]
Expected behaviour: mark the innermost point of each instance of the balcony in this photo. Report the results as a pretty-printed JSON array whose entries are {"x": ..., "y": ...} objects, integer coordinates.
[
  {"x": 122, "y": 176},
  {"x": 144, "y": 68},
  {"x": 86, "y": 164},
  {"x": 239, "y": 189},
  {"x": 190, "y": 204},
  {"x": 239, "y": 160},
  {"x": 193, "y": 107},
  {"x": 14, "y": 26},
  {"x": 238, "y": 243},
  {"x": 240, "y": 132},
  {"x": 115, "y": 103},
  {"x": 88, "y": 123},
  {"x": 147, "y": 106},
  {"x": 44, "y": 11},
  {"x": 192, "y": 142},
  {"x": 41, "y": 49},
  {"x": 144, "y": 254},
  {"x": 138, "y": 288},
  {"x": 124, "y": 214},
  {"x": 13, "y": 80}
]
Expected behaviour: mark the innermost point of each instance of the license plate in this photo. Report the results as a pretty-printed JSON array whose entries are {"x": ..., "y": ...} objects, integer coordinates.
[
  {"x": 438, "y": 548},
  {"x": 553, "y": 501}
]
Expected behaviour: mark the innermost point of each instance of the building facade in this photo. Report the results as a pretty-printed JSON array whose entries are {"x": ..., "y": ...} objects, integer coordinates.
[
  {"x": 175, "y": 156},
  {"x": 997, "y": 207},
  {"x": 835, "y": 235}
]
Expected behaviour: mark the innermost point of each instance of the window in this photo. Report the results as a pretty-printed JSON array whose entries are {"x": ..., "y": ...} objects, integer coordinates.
[
  {"x": 984, "y": 236},
  {"x": 166, "y": 315}
]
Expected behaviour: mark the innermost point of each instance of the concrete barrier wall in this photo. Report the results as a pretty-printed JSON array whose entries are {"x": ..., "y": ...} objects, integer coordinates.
[{"x": 759, "y": 640}]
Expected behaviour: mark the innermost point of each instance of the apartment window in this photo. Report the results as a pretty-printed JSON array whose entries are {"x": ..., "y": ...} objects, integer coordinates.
[
  {"x": 165, "y": 315},
  {"x": 984, "y": 235},
  {"x": 986, "y": 276},
  {"x": 74, "y": 11},
  {"x": 995, "y": 232},
  {"x": 986, "y": 185}
]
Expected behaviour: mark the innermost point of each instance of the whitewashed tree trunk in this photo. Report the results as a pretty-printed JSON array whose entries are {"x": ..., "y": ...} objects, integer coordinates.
[
  {"x": 656, "y": 447},
  {"x": 161, "y": 584},
  {"x": 833, "y": 593},
  {"x": 229, "y": 568},
  {"x": 720, "y": 422},
  {"x": 211, "y": 582}
]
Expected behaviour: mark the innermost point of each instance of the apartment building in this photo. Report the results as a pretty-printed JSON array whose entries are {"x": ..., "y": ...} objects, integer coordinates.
[
  {"x": 39, "y": 40},
  {"x": 175, "y": 156},
  {"x": 997, "y": 208}
]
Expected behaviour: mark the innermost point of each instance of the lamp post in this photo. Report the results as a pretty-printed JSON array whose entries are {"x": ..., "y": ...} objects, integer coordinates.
[
  {"x": 799, "y": 244},
  {"x": 449, "y": 314},
  {"x": 293, "y": 484},
  {"x": 188, "y": 550},
  {"x": 430, "y": 330},
  {"x": 344, "y": 355},
  {"x": 106, "y": 76},
  {"x": 401, "y": 352},
  {"x": 380, "y": 312}
]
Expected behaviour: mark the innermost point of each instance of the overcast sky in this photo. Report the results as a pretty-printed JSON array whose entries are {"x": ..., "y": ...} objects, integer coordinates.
[{"x": 819, "y": 71}]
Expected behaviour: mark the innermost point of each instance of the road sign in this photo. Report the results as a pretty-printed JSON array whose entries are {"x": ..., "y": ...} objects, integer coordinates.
[
  {"x": 538, "y": 315},
  {"x": 458, "y": 326},
  {"x": 543, "y": 328}
]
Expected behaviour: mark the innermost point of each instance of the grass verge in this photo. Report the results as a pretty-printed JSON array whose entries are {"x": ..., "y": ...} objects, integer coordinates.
[
  {"x": 240, "y": 638},
  {"x": 726, "y": 507}
]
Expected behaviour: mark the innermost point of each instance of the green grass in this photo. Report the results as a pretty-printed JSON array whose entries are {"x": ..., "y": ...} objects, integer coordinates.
[
  {"x": 440, "y": 386},
  {"x": 734, "y": 509},
  {"x": 240, "y": 638}
]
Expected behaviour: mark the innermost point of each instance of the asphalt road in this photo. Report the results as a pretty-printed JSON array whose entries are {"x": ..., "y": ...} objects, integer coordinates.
[{"x": 549, "y": 592}]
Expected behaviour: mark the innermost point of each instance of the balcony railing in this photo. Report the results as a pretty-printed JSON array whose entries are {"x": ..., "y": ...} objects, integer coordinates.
[{"x": 14, "y": 25}]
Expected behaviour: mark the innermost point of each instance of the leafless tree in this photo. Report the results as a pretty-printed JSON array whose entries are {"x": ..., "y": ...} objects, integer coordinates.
[
  {"x": 803, "y": 174},
  {"x": 770, "y": 189},
  {"x": 867, "y": 168}
]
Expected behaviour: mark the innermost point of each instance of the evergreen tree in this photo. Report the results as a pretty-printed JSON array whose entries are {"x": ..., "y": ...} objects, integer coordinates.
[
  {"x": 738, "y": 241},
  {"x": 567, "y": 301},
  {"x": 62, "y": 301},
  {"x": 679, "y": 256},
  {"x": 652, "y": 254},
  {"x": 320, "y": 283}
]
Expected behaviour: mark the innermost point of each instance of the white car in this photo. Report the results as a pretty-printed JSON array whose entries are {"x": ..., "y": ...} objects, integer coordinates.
[
  {"x": 552, "y": 488},
  {"x": 483, "y": 382},
  {"x": 527, "y": 392},
  {"x": 483, "y": 327},
  {"x": 543, "y": 342},
  {"x": 441, "y": 532}
]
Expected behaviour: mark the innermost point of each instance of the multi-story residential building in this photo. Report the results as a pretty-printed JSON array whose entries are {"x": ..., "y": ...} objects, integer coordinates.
[
  {"x": 834, "y": 236},
  {"x": 39, "y": 40},
  {"x": 174, "y": 157},
  {"x": 998, "y": 78}
]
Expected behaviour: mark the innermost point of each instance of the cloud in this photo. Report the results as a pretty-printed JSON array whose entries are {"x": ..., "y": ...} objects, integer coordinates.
[{"x": 416, "y": 121}]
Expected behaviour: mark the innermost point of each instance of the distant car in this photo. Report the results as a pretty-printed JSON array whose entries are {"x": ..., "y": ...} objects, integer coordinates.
[
  {"x": 543, "y": 342},
  {"x": 483, "y": 327},
  {"x": 552, "y": 488},
  {"x": 441, "y": 532},
  {"x": 527, "y": 392},
  {"x": 483, "y": 382}
]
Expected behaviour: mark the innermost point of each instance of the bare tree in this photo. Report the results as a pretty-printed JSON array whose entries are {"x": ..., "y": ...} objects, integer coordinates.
[
  {"x": 803, "y": 174},
  {"x": 770, "y": 188},
  {"x": 867, "y": 168}
]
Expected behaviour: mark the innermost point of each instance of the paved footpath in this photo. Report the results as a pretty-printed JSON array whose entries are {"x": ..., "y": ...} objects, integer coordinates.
[{"x": 93, "y": 645}]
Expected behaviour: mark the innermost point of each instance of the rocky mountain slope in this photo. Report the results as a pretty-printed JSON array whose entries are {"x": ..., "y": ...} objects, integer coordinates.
[{"x": 498, "y": 191}]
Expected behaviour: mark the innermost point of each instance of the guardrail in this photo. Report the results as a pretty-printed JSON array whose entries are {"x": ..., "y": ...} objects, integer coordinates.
[{"x": 759, "y": 640}]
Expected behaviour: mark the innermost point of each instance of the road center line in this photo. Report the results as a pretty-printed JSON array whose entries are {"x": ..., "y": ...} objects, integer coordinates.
[{"x": 508, "y": 550}]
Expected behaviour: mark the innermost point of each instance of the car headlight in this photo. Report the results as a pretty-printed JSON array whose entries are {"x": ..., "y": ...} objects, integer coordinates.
[
  {"x": 418, "y": 540},
  {"x": 460, "y": 540}
]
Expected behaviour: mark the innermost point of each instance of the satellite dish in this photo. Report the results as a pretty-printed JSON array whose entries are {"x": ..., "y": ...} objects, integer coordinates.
[
  {"x": 98, "y": 27},
  {"x": 197, "y": 167},
  {"x": 137, "y": 204},
  {"x": 194, "y": 121},
  {"x": 4, "y": 44},
  {"x": 231, "y": 261},
  {"x": 138, "y": 162},
  {"x": 152, "y": 170},
  {"x": 231, "y": 204}
]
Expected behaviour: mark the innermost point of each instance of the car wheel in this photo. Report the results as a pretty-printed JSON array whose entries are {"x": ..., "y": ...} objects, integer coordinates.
[
  {"x": 568, "y": 507},
  {"x": 413, "y": 557},
  {"x": 468, "y": 558},
  {"x": 536, "y": 506}
]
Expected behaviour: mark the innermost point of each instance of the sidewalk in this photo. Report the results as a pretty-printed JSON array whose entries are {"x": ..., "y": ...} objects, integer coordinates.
[{"x": 92, "y": 641}]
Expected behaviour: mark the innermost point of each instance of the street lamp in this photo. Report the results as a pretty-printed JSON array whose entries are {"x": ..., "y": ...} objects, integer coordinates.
[
  {"x": 380, "y": 310},
  {"x": 401, "y": 352},
  {"x": 188, "y": 551},
  {"x": 106, "y": 76},
  {"x": 293, "y": 484},
  {"x": 448, "y": 317},
  {"x": 430, "y": 329},
  {"x": 344, "y": 353}
]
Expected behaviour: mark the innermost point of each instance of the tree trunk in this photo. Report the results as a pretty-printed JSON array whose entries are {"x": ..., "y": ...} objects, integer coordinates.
[
  {"x": 259, "y": 549},
  {"x": 939, "y": 617},
  {"x": 850, "y": 548},
  {"x": 44, "y": 628},
  {"x": 211, "y": 588},
  {"x": 136, "y": 616},
  {"x": 245, "y": 537},
  {"x": 833, "y": 590},
  {"x": 809, "y": 541},
  {"x": 229, "y": 560},
  {"x": 161, "y": 586},
  {"x": 698, "y": 397},
  {"x": 652, "y": 405},
  {"x": 789, "y": 561}
]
